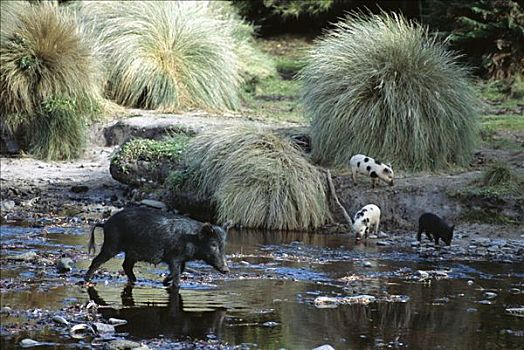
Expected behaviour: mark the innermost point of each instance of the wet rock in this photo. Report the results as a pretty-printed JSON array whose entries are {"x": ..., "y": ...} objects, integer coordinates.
[
  {"x": 64, "y": 265},
  {"x": 441, "y": 301},
  {"x": 422, "y": 275},
  {"x": 29, "y": 256},
  {"x": 471, "y": 309},
  {"x": 30, "y": 343},
  {"x": 153, "y": 204},
  {"x": 490, "y": 295},
  {"x": 485, "y": 302},
  {"x": 372, "y": 236},
  {"x": 79, "y": 189},
  {"x": 514, "y": 291},
  {"x": 7, "y": 205},
  {"x": 123, "y": 345},
  {"x": 332, "y": 302},
  {"x": 60, "y": 320},
  {"x": 415, "y": 243},
  {"x": 103, "y": 328},
  {"x": 6, "y": 310},
  {"x": 324, "y": 347},
  {"x": 117, "y": 321},
  {"x": 382, "y": 235},
  {"x": 382, "y": 243},
  {"x": 81, "y": 331},
  {"x": 470, "y": 283},
  {"x": 367, "y": 264},
  {"x": 515, "y": 311},
  {"x": 270, "y": 324}
]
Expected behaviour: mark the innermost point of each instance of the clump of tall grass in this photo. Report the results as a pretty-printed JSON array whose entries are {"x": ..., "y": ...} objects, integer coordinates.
[
  {"x": 258, "y": 179},
  {"x": 500, "y": 174},
  {"x": 381, "y": 85},
  {"x": 167, "y": 55},
  {"x": 48, "y": 79}
]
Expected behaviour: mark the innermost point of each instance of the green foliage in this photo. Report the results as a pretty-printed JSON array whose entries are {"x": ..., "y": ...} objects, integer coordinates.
[
  {"x": 283, "y": 8},
  {"x": 170, "y": 149},
  {"x": 59, "y": 131},
  {"x": 173, "y": 55},
  {"x": 176, "y": 179},
  {"x": 47, "y": 76},
  {"x": 258, "y": 179},
  {"x": 498, "y": 181},
  {"x": 380, "y": 85},
  {"x": 490, "y": 32}
]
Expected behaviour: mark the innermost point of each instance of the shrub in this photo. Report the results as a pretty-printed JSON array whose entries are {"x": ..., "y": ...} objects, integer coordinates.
[
  {"x": 380, "y": 85},
  {"x": 489, "y": 32},
  {"x": 47, "y": 76},
  {"x": 258, "y": 179},
  {"x": 167, "y": 55}
]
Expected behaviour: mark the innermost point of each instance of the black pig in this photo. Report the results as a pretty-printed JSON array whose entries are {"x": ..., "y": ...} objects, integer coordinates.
[
  {"x": 150, "y": 235},
  {"x": 431, "y": 224}
]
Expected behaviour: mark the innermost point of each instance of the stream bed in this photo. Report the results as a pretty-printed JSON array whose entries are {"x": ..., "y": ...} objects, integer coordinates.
[{"x": 285, "y": 291}]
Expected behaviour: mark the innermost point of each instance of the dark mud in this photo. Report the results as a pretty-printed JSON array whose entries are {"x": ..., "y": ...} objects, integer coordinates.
[{"x": 285, "y": 290}]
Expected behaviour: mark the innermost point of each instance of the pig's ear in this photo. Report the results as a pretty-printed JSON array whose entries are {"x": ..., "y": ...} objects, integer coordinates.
[{"x": 205, "y": 230}]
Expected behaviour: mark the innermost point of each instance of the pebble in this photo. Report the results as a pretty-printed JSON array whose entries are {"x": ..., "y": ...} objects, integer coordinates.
[
  {"x": 470, "y": 283},
  {"x": 7, "y": 205},
  {"x": 117, "y": 321},
  {"x": 324, "y": 347},
  {"x": 367, "y": 264},
  {"x": 471, "y": 309},
  {"x": 29, "y": 343},
  {"x": 64, "y": 265},
  {"x": 490, "y": 295},
  {"x": 382, "y": 243},
  {"x": 60, "y": 320},
  {"x": 122, "y": 344},
  {"x": 514, "y": 291},
  {"x": 24, "y": 256},
  {"x": 382, "y": 235},
  {"x": 422, "y": 275},
  {"x": 103, "y": 327},
  {"x": 153, "y": 204},
  {"x": 415, "y": 243},
  {"x": 270, "y": 324}
]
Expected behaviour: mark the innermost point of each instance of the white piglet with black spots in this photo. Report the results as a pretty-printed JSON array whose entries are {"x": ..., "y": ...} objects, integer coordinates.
[
  {"x": 373, "y": 168},
  {"x": 365, "y": 218}
]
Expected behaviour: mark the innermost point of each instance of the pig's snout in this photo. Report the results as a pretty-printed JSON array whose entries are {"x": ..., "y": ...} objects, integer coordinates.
[
  {"x": 391, "y": 183},
  {"x": 224, "y": 269}
]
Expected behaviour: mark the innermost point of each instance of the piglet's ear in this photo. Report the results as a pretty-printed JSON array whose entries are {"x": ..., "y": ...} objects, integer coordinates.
[{"x": 205, "y": 230}]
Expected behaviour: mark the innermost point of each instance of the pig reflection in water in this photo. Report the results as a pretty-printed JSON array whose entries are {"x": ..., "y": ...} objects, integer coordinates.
[
  {"x": 171, "y": 320},
  {"x": 151, "y": 235}
]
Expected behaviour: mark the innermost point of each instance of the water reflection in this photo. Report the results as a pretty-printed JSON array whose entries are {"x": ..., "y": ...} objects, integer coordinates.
[{"x": 170, "y": 320}]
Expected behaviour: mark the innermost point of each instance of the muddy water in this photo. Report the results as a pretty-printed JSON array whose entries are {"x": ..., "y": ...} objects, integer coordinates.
[{"x": 268, "y": 301}]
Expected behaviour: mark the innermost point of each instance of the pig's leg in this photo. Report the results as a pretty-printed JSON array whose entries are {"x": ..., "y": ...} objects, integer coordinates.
[
  {"x": 419, "y": 234},
  {"x": 128, "y": 269},
  {"x": 354, "y": 175},
  {"x": 169, "y": 277},
  {"x": 376, "y": 227},
  {"x": 436, "y": 239},
  {"x": 373, "y": 182},
  {"x": 174, "y": 274},
  {"x": 101, "y": 258}
]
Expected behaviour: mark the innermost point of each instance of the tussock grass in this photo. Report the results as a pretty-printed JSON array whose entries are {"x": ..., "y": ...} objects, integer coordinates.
[
  {"x": 500, "y": 174},
  {"x": 168, "y": 55},
  {"x": 258, "y": 179},
  {"x": 48, "y": 79},
  {"x": 381, "y": 85}
]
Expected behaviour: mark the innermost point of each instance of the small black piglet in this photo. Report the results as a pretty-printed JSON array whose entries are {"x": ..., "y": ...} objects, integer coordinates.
[
  {"x": 146, "y": 234},
  {"x": 434, "y": 226}
]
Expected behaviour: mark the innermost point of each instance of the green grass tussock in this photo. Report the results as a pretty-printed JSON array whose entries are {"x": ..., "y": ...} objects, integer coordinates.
[
  {"x": 258, "y": 179},
  {"x": 48, "y": 79},
  {"x": 381, "y": 85},
  {"x": 169, "y": 55}
]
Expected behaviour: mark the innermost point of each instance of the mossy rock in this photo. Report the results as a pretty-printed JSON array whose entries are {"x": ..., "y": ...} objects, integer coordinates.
[{"x": 141, "y": 161}]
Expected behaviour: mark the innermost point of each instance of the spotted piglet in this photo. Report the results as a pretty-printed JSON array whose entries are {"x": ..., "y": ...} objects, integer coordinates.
[
  {"x": 373, "y": 168},
  {"x": 364, "y": 218}
]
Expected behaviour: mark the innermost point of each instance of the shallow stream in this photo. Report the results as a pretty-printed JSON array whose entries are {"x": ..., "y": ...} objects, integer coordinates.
[{"x": 285, "y": 290}]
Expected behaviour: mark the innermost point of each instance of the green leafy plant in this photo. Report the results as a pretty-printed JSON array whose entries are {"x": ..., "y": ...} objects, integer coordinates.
[
  {"x": 380, "y": 85},
  {"x": 258, "y": 179}
]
